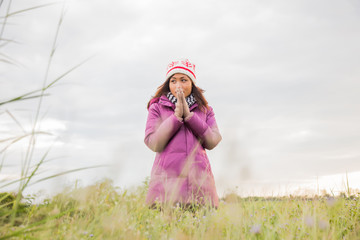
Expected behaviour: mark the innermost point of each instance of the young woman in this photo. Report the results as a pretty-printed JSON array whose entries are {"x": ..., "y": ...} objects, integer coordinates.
[{"x": 179, "y": 127}]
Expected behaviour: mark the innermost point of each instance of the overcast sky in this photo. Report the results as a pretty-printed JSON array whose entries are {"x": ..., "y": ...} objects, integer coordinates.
[{"x": 282, "y": 77}]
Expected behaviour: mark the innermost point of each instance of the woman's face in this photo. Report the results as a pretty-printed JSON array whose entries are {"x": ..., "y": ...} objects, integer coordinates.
[{"x": 179, "y": 80}]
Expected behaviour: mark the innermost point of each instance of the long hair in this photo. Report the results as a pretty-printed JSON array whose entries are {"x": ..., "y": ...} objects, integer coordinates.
[{"x": 164, "y": 88}]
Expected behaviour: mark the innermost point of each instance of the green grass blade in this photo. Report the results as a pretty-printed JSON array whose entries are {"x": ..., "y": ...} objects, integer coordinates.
[
  {"x": 21, "y": 98},
  {"x": 15, "y": 120},
  {"x": 27, "y": 229},
  {"x": 21, "y": 137},
  {"x": 66, "y": 73},
  {"x": 66, "y": 172},
  {"x": 35, "y": 169},
  {"x": 29, "y": 9}
]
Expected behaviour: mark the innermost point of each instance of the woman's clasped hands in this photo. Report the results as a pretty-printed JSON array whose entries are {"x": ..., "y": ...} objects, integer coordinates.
[{"x": 182, "y": 110}]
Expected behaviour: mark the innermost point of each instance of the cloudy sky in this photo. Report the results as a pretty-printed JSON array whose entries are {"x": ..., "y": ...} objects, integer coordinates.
[{"x": 282, "y": 77}]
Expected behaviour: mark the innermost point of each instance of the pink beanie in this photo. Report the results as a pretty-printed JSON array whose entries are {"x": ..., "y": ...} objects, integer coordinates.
[{"x": 181, "y": 66}]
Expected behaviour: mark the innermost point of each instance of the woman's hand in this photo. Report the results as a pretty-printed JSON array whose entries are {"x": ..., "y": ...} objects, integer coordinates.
[
  {"x": 186, "y": 109},
  {"x": 179, "y": 109}
]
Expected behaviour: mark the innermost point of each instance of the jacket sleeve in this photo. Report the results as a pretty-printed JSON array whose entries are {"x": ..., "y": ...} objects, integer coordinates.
[
  {"x": 207, "y": 130},
  {"x": 158, "y": 131}
]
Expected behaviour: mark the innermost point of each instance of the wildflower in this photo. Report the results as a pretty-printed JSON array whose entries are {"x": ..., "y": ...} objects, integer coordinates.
[
  {"x": 255, "y": 229},
  {"x": 309, "y": 221},
  {"x": 91, "y": 235},
  {"x": 323, "y": 224},
  {"x": 330, "y": 201}
]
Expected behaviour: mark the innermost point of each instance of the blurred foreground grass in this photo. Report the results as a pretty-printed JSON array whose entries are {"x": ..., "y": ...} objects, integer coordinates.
[{"x": 101, "y": 211}]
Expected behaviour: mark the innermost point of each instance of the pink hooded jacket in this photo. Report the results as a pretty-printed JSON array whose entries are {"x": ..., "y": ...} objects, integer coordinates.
[{"x": 181, "y": 172}]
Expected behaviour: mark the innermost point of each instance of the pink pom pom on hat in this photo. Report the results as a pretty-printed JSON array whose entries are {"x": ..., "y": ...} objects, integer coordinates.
[{"x": 181, "y": 66}]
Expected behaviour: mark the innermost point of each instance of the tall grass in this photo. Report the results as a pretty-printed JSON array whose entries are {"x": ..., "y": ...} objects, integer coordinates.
[
  {"x": 102, "y": 211},
  {"x": 12, "y": 204}
]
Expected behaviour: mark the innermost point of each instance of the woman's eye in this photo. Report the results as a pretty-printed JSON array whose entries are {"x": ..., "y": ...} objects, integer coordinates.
[{"x": 184, "y": 80}]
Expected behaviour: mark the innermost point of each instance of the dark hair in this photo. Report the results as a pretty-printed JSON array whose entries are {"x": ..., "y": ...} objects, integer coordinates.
[{"x": 164, "y": 88}]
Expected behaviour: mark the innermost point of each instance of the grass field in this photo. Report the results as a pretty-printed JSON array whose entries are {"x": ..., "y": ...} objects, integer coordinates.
[{"x": 101, "y": 211}]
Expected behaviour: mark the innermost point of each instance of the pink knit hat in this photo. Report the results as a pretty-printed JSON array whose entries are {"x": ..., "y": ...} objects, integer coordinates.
[{"x": 181, "y": 66}]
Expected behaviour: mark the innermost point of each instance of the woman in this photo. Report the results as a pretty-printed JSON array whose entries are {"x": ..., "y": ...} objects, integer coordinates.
[{"x": 179, "y": 127}]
